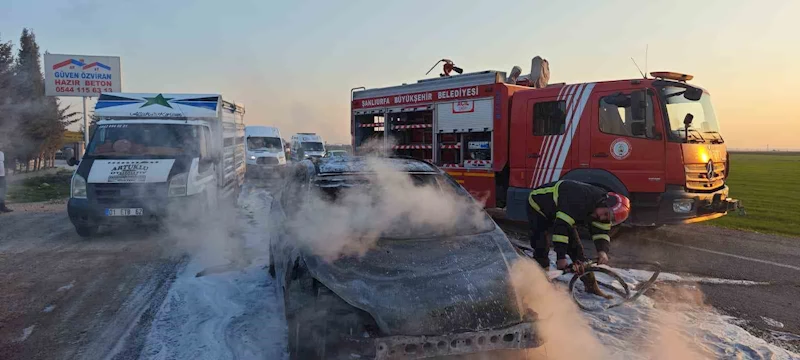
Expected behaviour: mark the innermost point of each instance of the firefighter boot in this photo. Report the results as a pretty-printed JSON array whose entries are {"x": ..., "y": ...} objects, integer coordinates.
[{"x": 591, "y": 286}]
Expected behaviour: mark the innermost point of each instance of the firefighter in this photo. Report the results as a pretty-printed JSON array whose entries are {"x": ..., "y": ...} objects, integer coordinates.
[{"x": 558, "y": 207}]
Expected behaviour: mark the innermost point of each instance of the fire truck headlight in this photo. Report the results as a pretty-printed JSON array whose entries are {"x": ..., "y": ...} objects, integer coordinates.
[{"x": 682, "y": 205}]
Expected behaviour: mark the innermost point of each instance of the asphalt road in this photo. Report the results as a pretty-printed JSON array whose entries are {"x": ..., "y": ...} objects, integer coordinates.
[
  {"x": 706, "y": 251},
  {"x": 709, "y": 257},
  {"x": 70, "y": 298}
]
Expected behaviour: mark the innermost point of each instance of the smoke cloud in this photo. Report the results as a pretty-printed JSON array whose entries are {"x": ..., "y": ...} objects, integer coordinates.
[
  {"x": 346, "y": 215},
  {"x": 562, "y": 327}
]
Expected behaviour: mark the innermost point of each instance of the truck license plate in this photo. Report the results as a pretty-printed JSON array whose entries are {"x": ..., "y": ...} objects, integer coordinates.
[{"x": 125, "y": 212}]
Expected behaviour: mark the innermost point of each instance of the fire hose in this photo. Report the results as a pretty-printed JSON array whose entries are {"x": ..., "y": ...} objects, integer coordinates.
[{"x": 624, "y": 291}]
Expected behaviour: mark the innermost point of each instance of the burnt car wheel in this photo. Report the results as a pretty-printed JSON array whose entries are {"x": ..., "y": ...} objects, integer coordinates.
[
  {"x": 323, "y": 326},
  {"x": 271, "y": 270}
]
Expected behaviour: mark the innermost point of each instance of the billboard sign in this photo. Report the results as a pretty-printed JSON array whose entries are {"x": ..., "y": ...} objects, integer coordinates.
[
  {"x": 72, "y": 137},
  {"x": 78, "y": 75}
]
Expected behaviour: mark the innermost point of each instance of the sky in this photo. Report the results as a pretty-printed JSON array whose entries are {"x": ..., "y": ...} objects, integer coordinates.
[{"x": 293, "y": 63}]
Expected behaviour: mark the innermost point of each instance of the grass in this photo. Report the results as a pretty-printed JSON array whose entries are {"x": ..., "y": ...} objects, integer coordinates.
[
  {"x": 768, "y": 185},
  {"x": 41, "y": 188}
]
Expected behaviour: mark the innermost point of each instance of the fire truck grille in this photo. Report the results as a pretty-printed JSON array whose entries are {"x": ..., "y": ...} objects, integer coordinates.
[{"x": 697, "y": 176}]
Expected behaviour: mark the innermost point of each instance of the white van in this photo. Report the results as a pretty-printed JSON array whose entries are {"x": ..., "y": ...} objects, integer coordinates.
[
  {"x": 156, "y": 158},
  {"x": 265, "y": 151},
  {"x": 307, "y": 146}
]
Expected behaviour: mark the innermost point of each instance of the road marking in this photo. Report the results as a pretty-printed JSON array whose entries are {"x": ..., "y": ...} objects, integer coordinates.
[{"x": 796, "y": 268}]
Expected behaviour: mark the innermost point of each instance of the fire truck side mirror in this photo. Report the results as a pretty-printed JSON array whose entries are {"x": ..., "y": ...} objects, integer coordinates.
[
  {"x": 638, "y": 105},
  {"x": 688, "y": 120},
  {"x": 693, "y": 94},
  {"x": 638, "y": 128}
]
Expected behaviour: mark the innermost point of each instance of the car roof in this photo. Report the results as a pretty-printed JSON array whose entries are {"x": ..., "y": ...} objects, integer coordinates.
[{"x": 360, "y": 164}]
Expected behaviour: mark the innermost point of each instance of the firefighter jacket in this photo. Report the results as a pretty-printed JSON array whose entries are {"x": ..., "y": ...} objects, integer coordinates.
[{"x": 566, "y": 203}]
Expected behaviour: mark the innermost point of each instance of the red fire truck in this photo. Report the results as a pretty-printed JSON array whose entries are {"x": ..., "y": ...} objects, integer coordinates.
[{"x": 655, "y": 139}]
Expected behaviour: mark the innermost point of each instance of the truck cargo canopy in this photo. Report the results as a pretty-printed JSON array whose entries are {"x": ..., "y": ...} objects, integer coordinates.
[{"x": 162, "y": 106}]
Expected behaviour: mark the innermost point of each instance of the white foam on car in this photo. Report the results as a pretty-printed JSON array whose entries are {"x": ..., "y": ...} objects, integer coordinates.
[{"x": 237, "y": 314}]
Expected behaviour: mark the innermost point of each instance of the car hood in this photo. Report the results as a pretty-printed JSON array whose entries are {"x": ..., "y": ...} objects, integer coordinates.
[{"x": 428, "y": 286}]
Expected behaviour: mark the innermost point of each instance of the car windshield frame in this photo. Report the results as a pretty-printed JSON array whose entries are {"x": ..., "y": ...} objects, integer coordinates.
[
  {"x": 162, "y": 140},
  {"x": 705, "y": 125},
  {"x": 307, "y": 146},
  {"x": 270, "y": 143}
]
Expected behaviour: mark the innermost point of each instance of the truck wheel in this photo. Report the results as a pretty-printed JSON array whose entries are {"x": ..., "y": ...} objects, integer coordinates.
[{"x": 86, "y": 230}]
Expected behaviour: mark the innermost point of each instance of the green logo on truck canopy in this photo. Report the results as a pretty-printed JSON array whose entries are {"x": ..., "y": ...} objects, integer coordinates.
[{"x": 158, "y": 100}]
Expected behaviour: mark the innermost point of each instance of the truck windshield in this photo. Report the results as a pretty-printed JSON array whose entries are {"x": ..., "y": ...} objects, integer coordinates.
[
  {"x": 704, "y": 127},
  {"x": 264, "y": 143},
  {"x": 312, "y": 146},
  {"x": 158, "y": 140}
]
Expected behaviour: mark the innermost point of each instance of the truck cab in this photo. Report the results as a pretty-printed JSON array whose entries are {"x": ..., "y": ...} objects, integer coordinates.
[
  {"x": 265, "y": 151},
  {"x": 629, "y": 136},
  {"x": 307, "y": 146},
  {"x": 156, "y": 158}
]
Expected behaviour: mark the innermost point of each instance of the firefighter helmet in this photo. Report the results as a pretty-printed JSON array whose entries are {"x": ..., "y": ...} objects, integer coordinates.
[{"x": 619, "y": 207}]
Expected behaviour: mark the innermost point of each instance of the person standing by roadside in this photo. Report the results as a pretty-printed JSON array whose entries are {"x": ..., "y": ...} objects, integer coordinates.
[{"x": 3, "y": 207}]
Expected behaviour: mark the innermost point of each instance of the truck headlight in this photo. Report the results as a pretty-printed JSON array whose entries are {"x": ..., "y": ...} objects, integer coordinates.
[
  {"x": 177, "y": 185},
  {"x": 78, "y": 187},
  {"x": 252, "y": 157},
  {"x": 682, "y": 205}
]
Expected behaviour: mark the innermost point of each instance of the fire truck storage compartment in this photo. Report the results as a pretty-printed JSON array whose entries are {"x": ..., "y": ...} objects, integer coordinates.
[
  {"x": 369, "y": 129},
  {"x": 465, "y": 132},
  {"x": 411, "y": 131}
]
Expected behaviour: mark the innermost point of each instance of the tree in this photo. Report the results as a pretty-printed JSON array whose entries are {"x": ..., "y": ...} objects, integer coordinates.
[
  {"x": 7, "y": 119},
  {"x": 41, "y": 120}
]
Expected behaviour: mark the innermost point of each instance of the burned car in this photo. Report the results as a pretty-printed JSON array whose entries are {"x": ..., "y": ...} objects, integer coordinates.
[{"x": 390, "y": 258}]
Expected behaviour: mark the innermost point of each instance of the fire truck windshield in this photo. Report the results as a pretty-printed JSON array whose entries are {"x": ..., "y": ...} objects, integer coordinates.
[{"x": 704, "y": 127}]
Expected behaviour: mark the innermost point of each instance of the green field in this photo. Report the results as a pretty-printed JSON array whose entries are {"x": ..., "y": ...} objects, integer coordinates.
[
  {"x": 769, "y": 186},
  {"x": 41, "y": 188}
]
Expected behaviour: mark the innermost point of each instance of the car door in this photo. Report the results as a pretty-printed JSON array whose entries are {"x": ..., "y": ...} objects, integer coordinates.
[
  {"x": 629, "y": 146},
  {"x": 546, "y": 129}
]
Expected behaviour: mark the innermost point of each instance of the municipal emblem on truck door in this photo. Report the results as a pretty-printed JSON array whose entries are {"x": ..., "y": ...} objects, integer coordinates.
[{"x": 620, "y": 149}]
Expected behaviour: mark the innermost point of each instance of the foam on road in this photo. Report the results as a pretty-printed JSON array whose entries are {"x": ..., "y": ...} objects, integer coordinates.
[
  {"x": 679, "y": 325},
  {"x": 234, "y": 314}
]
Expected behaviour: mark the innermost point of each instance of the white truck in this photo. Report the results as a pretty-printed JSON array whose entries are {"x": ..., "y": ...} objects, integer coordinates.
[
  {"x": 307, "y": 146},
  {"x": 265, "y": 151},
  {"x": 153, "y": 157}
]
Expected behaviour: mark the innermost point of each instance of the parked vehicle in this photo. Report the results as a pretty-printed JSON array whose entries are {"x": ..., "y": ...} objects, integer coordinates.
[
  {"x": 307, "y": 146},
  {"x": 153, "y": 157},
  {"x": 420, "y": 291},
  {"x": 265, "y": 151},
  {"x": 335, "y": 153},
  {"x": 655, "y": 140}
]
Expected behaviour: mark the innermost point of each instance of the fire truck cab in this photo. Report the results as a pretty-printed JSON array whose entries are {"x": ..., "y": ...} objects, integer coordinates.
[{"x": 655, "y": 140}]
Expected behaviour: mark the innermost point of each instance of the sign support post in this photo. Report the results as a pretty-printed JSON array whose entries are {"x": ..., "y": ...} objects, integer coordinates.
[{"x": 85, "y": 127}]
